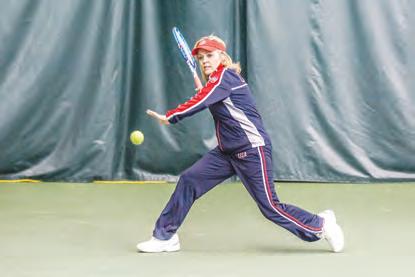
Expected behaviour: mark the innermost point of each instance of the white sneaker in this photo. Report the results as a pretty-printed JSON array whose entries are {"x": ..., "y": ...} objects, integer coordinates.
[
  {"x": 155, "y": 245},
  {"x": 332, "y": 231}
]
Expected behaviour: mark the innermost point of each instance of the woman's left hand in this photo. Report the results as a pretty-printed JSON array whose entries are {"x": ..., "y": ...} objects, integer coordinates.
[{"x": 161, "y": 118}]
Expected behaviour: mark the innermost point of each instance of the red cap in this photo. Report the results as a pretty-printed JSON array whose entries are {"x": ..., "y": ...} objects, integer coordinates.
[{"x": 208, "y": 45}]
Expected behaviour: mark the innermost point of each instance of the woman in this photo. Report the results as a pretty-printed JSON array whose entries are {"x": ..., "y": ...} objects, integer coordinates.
[{"x": 244, "y": 148}]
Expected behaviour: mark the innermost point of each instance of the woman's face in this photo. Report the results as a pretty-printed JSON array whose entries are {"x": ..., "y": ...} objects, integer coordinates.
[{"x": 209, "y": 60}]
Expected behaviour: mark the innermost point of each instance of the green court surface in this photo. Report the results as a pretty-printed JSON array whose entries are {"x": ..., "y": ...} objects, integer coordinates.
[{"x": 71, "y": 229}]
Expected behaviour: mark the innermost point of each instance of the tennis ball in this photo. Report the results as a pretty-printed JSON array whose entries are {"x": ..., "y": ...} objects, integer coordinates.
[{"x": 137, "y": 137}]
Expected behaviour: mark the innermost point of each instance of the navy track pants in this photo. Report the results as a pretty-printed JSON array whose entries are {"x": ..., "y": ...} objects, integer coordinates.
[{"x": 254, "y": 168}]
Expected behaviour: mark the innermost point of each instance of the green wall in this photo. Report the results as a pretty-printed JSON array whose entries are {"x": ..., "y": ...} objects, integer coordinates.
[{"x": 333, "y": 80}]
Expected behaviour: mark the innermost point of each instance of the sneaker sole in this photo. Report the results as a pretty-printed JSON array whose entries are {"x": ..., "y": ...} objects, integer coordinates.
[{"x": 172, "y": 248}]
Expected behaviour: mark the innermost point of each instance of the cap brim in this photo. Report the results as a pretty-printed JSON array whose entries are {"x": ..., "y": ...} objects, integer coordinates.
[{"x": 204, "y": 47}]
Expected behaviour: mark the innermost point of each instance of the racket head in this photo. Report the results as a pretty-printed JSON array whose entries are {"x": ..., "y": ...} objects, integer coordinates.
[{"x": 184, "y": 48}]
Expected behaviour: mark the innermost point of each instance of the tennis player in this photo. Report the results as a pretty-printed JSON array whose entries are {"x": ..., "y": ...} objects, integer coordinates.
[{"x": 244, "y": 148}]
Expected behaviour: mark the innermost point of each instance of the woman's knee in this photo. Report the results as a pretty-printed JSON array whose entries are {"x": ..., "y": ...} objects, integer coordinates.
[
  {"x": 188, "y": 177},
  {"x": 191, "y": 182},
  {"x": 268, "y": 210},
  {"x": 266, "y": 213}
]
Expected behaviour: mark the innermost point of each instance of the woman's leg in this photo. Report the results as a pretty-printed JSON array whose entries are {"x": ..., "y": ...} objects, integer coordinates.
[
  {"x": 210, "y": 170},
  {"x": 255, "y": 171}
]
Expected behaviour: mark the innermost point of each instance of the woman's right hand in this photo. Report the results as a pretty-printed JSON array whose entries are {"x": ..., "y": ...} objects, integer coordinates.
[{"x": 161, "y": 118}]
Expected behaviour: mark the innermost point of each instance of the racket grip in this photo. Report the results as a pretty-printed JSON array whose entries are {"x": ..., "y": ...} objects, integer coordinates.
[{"x": 198, "y": 83}]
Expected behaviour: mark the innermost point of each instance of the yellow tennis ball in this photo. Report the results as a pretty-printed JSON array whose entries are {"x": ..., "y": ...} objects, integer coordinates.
[{"x": 137, "y": 137}]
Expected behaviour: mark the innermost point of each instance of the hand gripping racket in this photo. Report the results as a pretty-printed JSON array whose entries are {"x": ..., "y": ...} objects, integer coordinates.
[{"x": 187, "y": 55}]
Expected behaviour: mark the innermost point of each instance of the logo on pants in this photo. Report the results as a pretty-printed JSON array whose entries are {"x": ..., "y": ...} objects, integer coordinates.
[{"x": 241, "y": 155}]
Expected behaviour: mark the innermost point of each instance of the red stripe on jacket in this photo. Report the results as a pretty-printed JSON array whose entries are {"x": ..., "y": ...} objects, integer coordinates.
[{"x": 201, "y": 96}]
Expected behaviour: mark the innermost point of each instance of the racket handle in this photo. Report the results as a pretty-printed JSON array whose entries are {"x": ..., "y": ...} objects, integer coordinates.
[{"x": 198, "y": 83}]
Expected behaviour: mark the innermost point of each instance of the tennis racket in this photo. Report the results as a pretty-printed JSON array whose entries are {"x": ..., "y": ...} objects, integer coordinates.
[{"x": 187, "y": 55}]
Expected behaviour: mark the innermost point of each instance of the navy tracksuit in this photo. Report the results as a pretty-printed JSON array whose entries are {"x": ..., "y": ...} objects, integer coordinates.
[{"x": 244, "y": 148}]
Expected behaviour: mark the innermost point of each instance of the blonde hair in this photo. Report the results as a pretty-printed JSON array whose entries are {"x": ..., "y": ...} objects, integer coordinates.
[{"x": 226, "y": 59}]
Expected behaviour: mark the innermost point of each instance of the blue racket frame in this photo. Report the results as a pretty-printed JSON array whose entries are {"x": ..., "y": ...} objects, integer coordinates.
[{"x": 184, "y": 49}]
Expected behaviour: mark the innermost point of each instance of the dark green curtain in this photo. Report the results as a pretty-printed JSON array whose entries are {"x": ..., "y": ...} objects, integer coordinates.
[{"x": 333, "y": 80}]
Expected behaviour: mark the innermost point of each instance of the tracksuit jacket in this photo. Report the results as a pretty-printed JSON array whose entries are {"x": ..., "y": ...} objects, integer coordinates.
[{"x": 237, "y": 122}]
